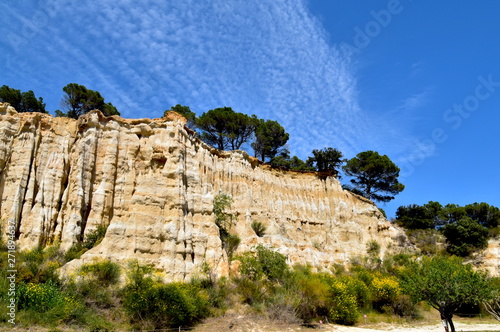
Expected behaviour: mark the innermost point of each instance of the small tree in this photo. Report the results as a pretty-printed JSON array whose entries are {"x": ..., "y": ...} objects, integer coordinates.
[
  {"x": 374, "y": 175},
  {"x": 445, "y": 283}
]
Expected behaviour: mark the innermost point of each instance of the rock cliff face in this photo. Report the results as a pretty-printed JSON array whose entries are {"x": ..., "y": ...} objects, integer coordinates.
[{"x": 152, "y": 183}]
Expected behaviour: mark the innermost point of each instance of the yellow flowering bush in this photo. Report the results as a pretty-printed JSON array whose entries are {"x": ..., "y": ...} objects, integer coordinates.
[
  {"x": 385, "y": 290},
  {"x": 46, "y": 297},
  {"x": 343, "y": 307}
]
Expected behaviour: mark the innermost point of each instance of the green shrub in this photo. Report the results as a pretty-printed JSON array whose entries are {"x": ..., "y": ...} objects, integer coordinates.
[
  {"x": 273, "y": 263},
  {"x": 427, "y": 240},
  {"x": 104, "y": 272},
  {"x": 165, "y": 305},
  {"x": 251, "y": 291},
  {"x": 47, "y": 299},
  {"x": 74, "y": 252},
  {"x": 162, "y": 305},
  {"x": 259, "y": 228},
  {"x": 95, "y": 236},
  {"x": 312, "y": 293},
  {"x": 373, "y": 248}
]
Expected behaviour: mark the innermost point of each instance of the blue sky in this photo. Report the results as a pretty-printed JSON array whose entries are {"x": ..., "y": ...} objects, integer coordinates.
[{"x": 416, "y": 80}]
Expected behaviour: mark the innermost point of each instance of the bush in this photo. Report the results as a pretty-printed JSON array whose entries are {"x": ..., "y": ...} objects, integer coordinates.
[
  {"x": 165, "y": 305},
  {"x": 95, "y": 236},
  {"x": 259, "y": 228},
  {"x": 104, "y": 272},
  {"x": 162, "y": 305},
  {"x": 47, "y": 299},
  {"x": 385, "y": 290},
  {"x": 465, "y": 236},
  {"x": 373, "y": 248},
  {"x": 342, "y": 304}
]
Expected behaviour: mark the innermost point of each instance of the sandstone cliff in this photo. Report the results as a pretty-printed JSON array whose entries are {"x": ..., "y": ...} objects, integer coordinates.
[{"x": 152, "y": 182}]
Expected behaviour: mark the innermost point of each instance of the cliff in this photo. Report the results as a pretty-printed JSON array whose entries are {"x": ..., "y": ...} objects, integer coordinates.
[{"x": 152, "y": 183}]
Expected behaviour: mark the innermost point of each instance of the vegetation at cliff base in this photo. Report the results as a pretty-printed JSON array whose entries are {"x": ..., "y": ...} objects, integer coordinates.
[{"x": 103, "y": 296}]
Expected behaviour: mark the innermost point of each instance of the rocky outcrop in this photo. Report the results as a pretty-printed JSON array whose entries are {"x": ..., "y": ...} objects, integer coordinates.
[{"x": 152, "y": 183}]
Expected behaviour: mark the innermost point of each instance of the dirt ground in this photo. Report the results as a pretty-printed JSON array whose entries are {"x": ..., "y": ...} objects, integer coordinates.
[{"x": 255, "y": 324}]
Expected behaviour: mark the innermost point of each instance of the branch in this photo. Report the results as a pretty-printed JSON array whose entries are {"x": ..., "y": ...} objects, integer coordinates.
[{"x": 493, "y": 308}]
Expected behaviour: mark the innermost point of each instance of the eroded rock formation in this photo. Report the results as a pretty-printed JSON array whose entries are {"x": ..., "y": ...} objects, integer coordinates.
[{"x": 152, "y": 183}]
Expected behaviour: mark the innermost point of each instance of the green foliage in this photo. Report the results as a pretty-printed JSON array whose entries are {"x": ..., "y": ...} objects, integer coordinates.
[
  {"x": 226, "y": 129},
  {"x": 309, "y": 293},
  {"x": 104, "y": 272},
  {"x": 162, "y": 305},
  {"x": 270, "y": 137},
  {"x": 484, "y": 214},
  {"x": 327, "y": 160},
  {"x": 79, "y": 100},
  {"x": 22, "y": 101},
  {"x": 259, "y": 228},
  {"x": 492, "y": 305},
  {"x": 433, "y": 214},
  {"x": 263, "y": 263},
  {"x": 385, "y": 290},
  {"x": 465, "y": 236},
  {"x": 225, "y": 220},
  {"x": 94, "y": 237},
  {"x": 373, "y": 248},
  {"x": 445, "y": 283},
  {"x": 415, "y": 217},
  {"x": 48, "y": 300},
  {"x": 39, "y": 266},
  {"x": 342, "y": 303},
  {"x": 283, "y": 161},
  {"x": 186, "y": 112},
  {"x": 374, "y": 175}
]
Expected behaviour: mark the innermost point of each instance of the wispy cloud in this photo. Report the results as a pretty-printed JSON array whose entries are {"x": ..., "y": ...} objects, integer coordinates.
[{"x": 271, "y": 59}]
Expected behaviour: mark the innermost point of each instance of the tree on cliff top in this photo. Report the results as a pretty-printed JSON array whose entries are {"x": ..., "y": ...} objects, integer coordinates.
[
  {"x": 79, "y": 100},
  {"x": 226, "y": 129},
  {"x": 270, "y": 137},
  {"x": 22, "y": 101},
  {"x": 374, "y": 175},
  {"x": 326, "y": 160}
]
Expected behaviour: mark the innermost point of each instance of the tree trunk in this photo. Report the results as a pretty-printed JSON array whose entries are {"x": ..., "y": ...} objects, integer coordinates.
[{"x": 450, "y": 323}]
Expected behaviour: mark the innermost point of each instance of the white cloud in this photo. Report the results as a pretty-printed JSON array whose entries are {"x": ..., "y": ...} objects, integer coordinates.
[{"x": 272, "y": 59}]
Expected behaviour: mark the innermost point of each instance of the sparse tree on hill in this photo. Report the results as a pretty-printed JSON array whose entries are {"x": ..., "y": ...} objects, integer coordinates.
[{"x": 375, "y": 176}]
